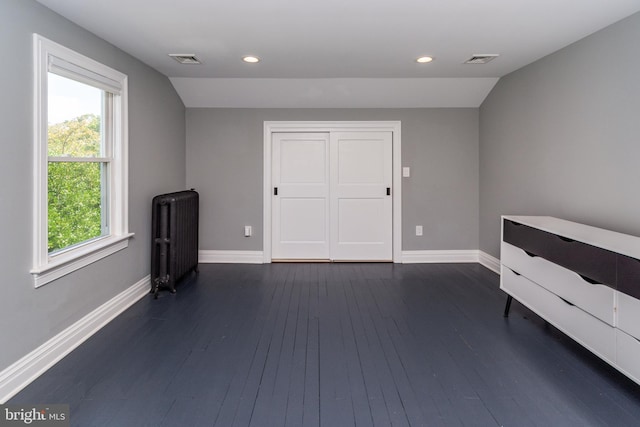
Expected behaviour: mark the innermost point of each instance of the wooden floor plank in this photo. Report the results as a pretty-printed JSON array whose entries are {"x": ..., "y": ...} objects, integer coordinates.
[
  {"x": 311, "y": 398},
  {"x": 296, "y": 388},
  {"x": 352, "y": 355},
  {"x": 336, "y": 408}
]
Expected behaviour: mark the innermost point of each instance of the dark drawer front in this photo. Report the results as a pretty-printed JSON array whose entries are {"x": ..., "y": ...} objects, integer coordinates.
[
  {"x": 595, "y": 265},
  {"x": 629, "y": 276}
]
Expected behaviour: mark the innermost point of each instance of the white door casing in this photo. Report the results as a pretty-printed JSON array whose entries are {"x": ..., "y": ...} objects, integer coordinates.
[
  {"x": 394, "y": 127},
  {"x": 300, "y": 221}
]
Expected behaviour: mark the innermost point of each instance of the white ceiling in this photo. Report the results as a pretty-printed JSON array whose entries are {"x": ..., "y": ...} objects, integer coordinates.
[{"x": 342, "y": 46}]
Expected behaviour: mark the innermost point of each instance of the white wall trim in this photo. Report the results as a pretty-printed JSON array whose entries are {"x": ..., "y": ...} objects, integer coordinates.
[
  {"x": 328, "y": 126},
  {"x": 417, "y": 257},
  {"x": 473, "y": 255},
  {"x": 230, "y": 257},
  {"x": 489, "y": 261},
  {"x": 28, "y": 368},
  {"x": 408, "y": 257}
]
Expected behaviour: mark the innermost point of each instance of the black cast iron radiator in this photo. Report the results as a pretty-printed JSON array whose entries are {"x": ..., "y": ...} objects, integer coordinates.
[{"x": 174, "y": 238}]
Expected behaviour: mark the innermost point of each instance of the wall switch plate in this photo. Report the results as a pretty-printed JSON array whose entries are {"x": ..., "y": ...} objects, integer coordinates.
[
  {"x": 418, "y": 230},
  {"x": 406, "y": 172},
  {"x": 247, "y": 231}
]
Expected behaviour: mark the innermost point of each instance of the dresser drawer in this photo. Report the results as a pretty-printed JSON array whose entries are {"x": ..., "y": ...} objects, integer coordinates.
[
  {"x": 596, "y": 299},
  {"x": 595, "y": 264},
  {"x": 629, "y": 276},
  {"x": 628, "y": 314},
  {"x": 628, "y": 355},
  {"x": 587, "y": 330}
]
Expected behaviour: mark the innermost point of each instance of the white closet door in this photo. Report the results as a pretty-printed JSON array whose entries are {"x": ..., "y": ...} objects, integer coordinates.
[
  {"x": 300, "y": 217},
  {"x": 361, "y": 202}
]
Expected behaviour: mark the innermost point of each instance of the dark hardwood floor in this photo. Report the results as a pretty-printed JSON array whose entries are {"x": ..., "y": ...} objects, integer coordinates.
[{"x": 335, "y": 345}]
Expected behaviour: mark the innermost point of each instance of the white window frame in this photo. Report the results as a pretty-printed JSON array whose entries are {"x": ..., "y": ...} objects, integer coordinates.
[{"x": 51, "y": 56}]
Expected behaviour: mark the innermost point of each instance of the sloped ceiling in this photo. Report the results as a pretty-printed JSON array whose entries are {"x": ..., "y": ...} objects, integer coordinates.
[{"x": 340, "y": 53}]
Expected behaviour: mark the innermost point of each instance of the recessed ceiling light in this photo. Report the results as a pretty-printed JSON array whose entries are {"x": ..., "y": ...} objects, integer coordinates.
[
  {"x": 185, "y": 58},
  {"x": 251, "y": 59},
  {"x": 424, "y": 59}
]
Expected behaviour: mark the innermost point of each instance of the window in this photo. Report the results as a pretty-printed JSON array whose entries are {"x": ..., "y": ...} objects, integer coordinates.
[{"x": 80, "y": 161}]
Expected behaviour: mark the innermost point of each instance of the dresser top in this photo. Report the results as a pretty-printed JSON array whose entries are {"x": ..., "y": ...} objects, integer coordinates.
[{"x": 610, "y": 240}]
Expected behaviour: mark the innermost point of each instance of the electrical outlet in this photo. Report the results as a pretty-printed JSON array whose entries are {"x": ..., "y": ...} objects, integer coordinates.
[
  {"x": 247, "y": 231},
  {"x": 418, "y": 230}
]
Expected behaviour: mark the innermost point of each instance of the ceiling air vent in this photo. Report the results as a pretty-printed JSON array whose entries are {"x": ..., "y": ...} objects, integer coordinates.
[
  {"x": 481, "y": 58},
  {"x": 185, "y": 58}
]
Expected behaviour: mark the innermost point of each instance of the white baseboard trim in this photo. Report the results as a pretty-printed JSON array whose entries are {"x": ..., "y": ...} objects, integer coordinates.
[
  {"x": 231, "y": 257},
  {"x": 408, "y": 257},
  {"x": 28, "y": 368},
  {"x": 488, "y": 261},
  {"x": 491, "y": 262},
  {"x": 415, "y": 257}
]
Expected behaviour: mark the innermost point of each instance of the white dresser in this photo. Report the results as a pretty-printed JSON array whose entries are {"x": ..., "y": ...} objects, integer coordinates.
[{"x": 583, "y": 280}]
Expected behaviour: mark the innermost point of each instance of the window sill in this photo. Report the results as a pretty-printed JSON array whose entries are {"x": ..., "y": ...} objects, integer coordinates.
[{"x": 63, "y": 264}]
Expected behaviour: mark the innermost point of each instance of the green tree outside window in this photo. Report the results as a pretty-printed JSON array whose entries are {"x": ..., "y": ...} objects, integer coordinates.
[{"x": 74, "y": 188}]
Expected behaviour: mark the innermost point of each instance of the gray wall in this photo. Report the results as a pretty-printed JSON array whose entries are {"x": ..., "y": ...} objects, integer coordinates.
[
  {"x": 29, "y": 316},
  {"x": 560, "y": 137},
  {"x": 225, "y": 164}
]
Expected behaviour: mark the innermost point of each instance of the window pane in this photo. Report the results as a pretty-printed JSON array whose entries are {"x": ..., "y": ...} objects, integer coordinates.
[
  {"x": 75, "y": 200},
  {"x": 74, "y": 115}
]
